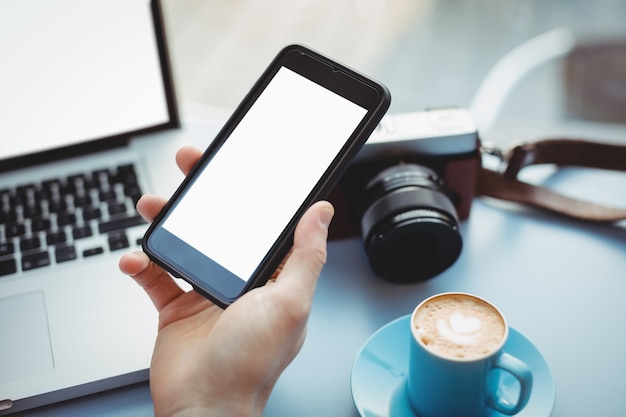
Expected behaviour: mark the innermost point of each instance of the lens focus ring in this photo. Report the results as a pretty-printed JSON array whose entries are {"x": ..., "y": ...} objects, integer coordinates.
[{"x": 410, "y": 227}]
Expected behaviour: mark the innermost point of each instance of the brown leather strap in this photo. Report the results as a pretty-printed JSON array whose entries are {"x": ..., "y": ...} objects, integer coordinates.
[{"x": 562, "y": 152}]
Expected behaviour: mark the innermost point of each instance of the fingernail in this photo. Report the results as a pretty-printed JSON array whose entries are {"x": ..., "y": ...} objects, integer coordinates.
[{"x": 326, "y": 216}]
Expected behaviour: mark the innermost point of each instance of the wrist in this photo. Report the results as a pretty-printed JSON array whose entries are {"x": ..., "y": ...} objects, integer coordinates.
[{"x": 250, "y": 406}]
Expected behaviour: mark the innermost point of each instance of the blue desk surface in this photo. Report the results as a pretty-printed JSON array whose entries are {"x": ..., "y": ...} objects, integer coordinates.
[{"x": 559, "y": 282}]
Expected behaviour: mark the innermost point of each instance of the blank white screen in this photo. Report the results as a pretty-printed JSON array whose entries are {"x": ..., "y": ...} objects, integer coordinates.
[{"x": 247, "y": 194}]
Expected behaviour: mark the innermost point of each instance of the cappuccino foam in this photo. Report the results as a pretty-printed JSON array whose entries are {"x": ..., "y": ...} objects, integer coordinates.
[{"x": 459, "y": 326}]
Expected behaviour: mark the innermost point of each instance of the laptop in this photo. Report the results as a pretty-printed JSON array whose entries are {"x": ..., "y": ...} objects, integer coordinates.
[{"x": 88, "y": 123}]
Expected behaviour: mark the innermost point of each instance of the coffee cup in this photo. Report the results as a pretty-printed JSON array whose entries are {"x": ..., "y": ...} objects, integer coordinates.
[{"x": 457, "y": 359}]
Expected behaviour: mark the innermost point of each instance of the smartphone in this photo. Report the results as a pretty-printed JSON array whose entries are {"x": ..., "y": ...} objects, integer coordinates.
[{"x": 231, "y": 222}]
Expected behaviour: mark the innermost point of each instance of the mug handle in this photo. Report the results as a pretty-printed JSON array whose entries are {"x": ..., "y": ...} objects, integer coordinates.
[{"x": 522, "y": 373}]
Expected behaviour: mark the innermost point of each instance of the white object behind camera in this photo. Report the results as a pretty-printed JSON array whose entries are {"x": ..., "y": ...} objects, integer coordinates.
[{"x": 431, "y": 132}]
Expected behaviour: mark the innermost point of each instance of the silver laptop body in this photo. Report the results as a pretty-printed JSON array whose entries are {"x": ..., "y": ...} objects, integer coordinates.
[{"x": 88, "y": 122}]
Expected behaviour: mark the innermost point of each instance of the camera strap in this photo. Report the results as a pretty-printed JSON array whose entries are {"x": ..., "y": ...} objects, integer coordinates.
[{"x": 504, "y": 183}]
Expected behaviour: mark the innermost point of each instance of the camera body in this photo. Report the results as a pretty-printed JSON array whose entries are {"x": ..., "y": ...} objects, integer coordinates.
[{"x": 406, "y": 191}]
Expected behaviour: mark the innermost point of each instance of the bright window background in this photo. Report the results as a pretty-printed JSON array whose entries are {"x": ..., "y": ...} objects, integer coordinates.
[{"x": 430, "y": 53}]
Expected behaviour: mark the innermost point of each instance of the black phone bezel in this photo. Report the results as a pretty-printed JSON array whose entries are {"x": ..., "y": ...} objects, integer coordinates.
[{"x": 159, "y": 244}]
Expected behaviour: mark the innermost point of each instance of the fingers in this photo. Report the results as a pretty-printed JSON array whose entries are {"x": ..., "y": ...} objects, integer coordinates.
[
  {"x": 150, "y": 205},
  {"x": 157, "y": 283},
  {"x": 159, "y": 286},
  {"x": 308, "y": 255},
  {"x": 186, "y": 158}
]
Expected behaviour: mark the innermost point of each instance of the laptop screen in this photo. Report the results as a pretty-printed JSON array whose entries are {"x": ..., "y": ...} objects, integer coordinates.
[{"x": 75, "y": 71}]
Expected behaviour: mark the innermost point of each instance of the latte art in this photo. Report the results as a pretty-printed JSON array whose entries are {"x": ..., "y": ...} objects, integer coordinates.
[
  {"x": 459, "y": 326},
  {"x": 459, "y": 329}
]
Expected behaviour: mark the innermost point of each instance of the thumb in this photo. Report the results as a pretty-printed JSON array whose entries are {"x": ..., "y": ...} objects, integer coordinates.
[{"x": 308, "y": 254}]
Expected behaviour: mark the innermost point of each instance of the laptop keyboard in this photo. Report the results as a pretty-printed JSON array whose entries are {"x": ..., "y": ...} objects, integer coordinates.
[{"x": 65, "y": 219}]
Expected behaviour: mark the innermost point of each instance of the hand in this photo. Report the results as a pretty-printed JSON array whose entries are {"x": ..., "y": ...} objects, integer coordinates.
[{"x": 208, "y": 361}]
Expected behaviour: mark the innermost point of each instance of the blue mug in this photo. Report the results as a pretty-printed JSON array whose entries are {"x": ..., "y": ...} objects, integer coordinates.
[{"x": 457, "y": 359}]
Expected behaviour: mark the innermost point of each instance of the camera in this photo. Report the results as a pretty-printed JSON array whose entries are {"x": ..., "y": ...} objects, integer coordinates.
[{"x": 407, "y": 190}]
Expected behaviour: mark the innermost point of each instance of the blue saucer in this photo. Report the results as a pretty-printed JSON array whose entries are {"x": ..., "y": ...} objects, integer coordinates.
[{"x": 380, "y": 368}]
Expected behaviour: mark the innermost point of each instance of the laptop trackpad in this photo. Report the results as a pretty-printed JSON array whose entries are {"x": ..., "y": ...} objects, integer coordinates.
[{"x": 25, "y": 349}]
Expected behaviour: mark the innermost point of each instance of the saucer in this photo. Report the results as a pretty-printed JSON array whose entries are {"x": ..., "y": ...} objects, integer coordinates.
[{"x": 379, "y": 373}]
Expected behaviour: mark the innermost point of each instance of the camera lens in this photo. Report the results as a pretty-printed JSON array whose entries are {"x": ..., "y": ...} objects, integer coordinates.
[{"x": 409, "y": 225}]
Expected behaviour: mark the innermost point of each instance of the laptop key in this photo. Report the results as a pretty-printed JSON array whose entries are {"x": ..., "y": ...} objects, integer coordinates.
[
  {"x": 35, "y": 260},
  {"x": 81, "y": 232},
  {"x": 6, "y": 248},
  {"x": 82, "y": 200},
  {"x": 51, "y": 188},
  {"x": 54, "y": 238},
  {"x": 125, "y": 173},
  {"x": 117, "y": 208},
  {"x": 8, "y": 266},
  {"x": 38, "y": 224},
  {"x": 133, "y": 192},
  {"x": 118, "y": 241},
  {"x": 102, "y": 175},
  {"x": 107, "y": 195},
  {"x": 65, "y": 253},
  {"x": 31, "y": 210},
  {"x": 92, "y": 252},
  {"x": 64, "y": 218},
  {"x": 90, "y": 183},
  {"x": 30, "y": 244},
  {"x": 57, "y": 205},
  {"x": 121, "y": 223},
  {"x": 26, "y": 193},
  {"x": 14, "y": 229},
  {"x": 8, "y": 216},
  {"x": 90, "y": 213}
]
